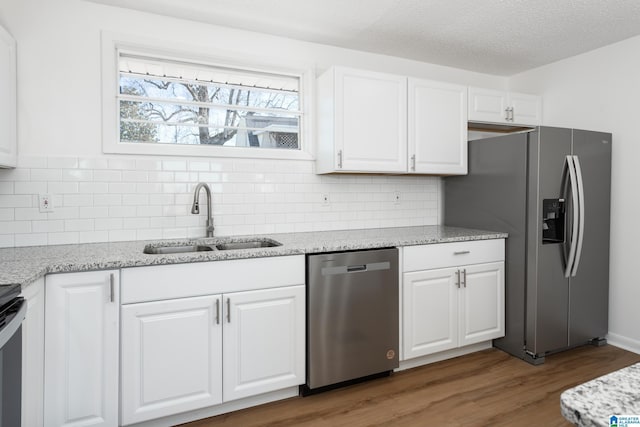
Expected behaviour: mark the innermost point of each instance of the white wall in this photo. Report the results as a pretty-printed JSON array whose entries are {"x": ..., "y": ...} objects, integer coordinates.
[
  {"x": 599, "y": 90},
  {"x": 106, "y": 197},
  {"x": 59, "y": 64}
]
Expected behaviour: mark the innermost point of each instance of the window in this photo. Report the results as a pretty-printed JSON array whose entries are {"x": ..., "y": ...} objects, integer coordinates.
[{"x": 165, "y": 104}]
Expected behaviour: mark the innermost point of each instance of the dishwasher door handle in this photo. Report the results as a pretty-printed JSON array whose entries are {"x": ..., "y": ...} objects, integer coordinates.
[{"x": 357, "y": 268}]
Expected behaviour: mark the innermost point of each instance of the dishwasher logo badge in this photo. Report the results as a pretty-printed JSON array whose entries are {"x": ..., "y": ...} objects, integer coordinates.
[{"x": 391, "y": 354}]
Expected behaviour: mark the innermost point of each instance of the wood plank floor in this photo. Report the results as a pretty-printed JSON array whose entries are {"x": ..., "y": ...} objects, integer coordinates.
[{"x": 488, "y": 388}]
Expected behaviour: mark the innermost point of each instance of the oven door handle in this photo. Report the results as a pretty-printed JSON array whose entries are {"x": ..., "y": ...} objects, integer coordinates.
[{"x": 12, "y": 326}]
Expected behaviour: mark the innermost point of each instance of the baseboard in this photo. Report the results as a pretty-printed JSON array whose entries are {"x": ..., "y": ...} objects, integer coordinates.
[
  {"x": 212, "y": 411},
  {"x": 443, "y": 355},
  {"x": 623, "y": 342}
]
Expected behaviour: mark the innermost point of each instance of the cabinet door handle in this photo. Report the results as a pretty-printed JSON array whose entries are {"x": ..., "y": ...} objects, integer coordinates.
[
  {"x": 228, "y": 310},
  {"x": 413, "y": 163},
  {"x": 464, "y": 277},
  {"x": 112, "y": 279},
  {"x": 339, "y": 159},
  {"x": 217, "y": 311},
  {"x": 458, "y": 278}
]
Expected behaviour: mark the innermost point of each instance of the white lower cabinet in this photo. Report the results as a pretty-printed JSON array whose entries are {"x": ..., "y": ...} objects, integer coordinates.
[
  {"x": 173, "y": 350},
  {"x": 263, "y": 341},
  {"x": 33, "y": 355},
  {"x": 456, "y": 305},
  {"x": 185, "y": 349},
  {"x": 481, "y": 303},
  {"x": 171, "y": 357},
  {"x": 430, "y": 312},
  {"x": 81, "y": 349}
]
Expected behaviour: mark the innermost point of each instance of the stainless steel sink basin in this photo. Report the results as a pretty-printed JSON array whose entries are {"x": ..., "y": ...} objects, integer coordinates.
[
  {"x": 221, "y": 246},
  {"x": 249, "y": 244},
  {"x": 158, "y": 250}
]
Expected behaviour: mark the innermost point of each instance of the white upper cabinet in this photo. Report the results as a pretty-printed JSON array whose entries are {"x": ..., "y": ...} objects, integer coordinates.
[
  {"x": 362, "y": 125},
  {"x": 384, "y": 123},
  {"x": 8, "y": 105},
  {"x": 526, "y": 109},
  {"x": 494, "y": 106},
  {"x": 437, "y": 127}
]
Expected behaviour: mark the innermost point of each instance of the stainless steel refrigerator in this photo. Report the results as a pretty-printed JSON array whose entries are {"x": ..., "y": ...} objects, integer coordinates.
[{"x": 550, "y": 190}]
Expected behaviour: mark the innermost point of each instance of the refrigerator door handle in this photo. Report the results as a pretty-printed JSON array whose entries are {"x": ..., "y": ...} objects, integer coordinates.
[
  {"x": 576, "y": 217},
  {"x": 576, "y": 261}
]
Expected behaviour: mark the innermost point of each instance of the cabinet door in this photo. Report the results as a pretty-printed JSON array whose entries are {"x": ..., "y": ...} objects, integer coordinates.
[
  {"x": 437, "y": 127},
  {"x": 486, "y": 105},
  {"x": 370, "y": 121},
  {"x": 264, "y": 341},
  {"x": 81, "y": 349},
  {"x": 430, "y": 312},
  {"x": 33, "y": 355},
  {"x": 481, "y": 303},
  {"x": 527, "y": 109},
  {"x": 7, "y": 99},
  {"x": 171, "y": 357}
]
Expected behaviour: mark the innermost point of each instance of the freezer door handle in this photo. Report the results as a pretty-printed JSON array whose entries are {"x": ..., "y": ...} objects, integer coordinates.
[
  {"x": 576, "y": 217},
  {"x": 576, "y": 261}
]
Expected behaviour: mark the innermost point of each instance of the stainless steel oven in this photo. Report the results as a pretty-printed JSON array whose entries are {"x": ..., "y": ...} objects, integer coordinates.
[{"x": 12, "y": 313}]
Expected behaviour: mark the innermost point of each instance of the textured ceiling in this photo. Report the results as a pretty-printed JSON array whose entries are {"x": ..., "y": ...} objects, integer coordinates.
[{"x": 501, "y": 37}]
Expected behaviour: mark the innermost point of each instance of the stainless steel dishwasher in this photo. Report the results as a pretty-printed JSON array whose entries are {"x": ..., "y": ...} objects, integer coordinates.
[{"x": 352, "y": 316}]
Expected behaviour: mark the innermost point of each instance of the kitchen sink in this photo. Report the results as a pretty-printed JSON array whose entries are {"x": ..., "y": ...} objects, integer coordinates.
[
  {"x": 222, "y": 246},
  {"x": 158, "y": 250},
  {"x": 249, "y": 244}
]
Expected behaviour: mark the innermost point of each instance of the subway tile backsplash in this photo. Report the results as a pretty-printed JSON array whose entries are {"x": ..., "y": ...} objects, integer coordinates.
[{"x": 105, "y": 199}]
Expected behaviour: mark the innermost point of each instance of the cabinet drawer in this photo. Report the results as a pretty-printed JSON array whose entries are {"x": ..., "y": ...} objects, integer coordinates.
[
  {"x": 154, "y": 283},
  {"x": 442, "y": 255}
]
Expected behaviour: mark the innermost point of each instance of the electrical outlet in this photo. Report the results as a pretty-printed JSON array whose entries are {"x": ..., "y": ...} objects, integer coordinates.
[
  {"x": 396, "y": 198},
  {"x": 325, "y": 199},
  {"x": 45, "y": 202}
]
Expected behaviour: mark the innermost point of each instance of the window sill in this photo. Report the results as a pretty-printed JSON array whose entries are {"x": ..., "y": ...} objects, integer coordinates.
[{"x": 206, "y": 151}]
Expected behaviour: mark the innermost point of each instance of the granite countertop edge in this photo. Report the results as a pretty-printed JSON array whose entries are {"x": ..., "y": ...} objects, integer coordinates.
[
  {"x": 593, "y": 403},
  {"x": 24, "y": 265}
]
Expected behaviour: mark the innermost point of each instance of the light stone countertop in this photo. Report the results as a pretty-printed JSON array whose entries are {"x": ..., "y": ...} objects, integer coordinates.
[
  {"x": 26, "y": 264},
  {"x": 593, "y": 403}
]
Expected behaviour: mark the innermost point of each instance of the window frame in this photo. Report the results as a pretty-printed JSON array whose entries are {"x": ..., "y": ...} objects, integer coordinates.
[{"x": 111, "y": 46}]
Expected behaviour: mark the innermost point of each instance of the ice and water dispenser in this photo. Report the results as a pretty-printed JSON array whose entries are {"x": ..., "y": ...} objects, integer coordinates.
[{"x": 553, "y": 211}]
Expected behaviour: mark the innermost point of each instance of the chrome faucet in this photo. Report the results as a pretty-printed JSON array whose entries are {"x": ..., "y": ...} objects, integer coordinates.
[{"x": 195, "y": 208}]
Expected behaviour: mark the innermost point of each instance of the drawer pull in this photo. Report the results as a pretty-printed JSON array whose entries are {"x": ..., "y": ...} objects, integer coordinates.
[{"x": 461, "y": 252}]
